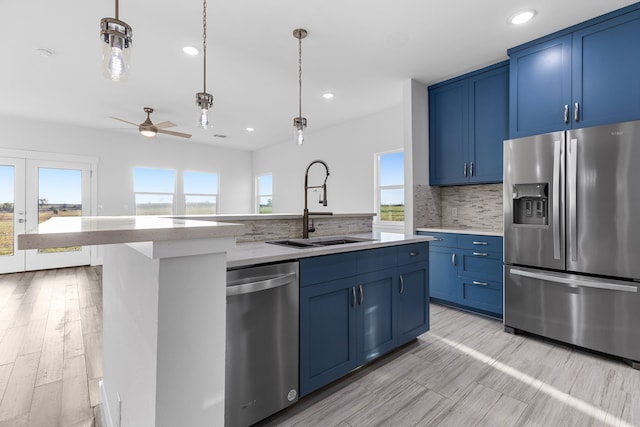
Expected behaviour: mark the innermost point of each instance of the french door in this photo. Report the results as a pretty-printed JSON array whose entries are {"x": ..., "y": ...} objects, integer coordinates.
[{"x": 32, "y": 192}]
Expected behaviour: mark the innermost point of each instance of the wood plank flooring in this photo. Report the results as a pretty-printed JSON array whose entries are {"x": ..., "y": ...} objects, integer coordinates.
[
  {"x": 51, "y": 348},
  {"x": 467, "y": 372},
  {"x": 464, "y": 372}
]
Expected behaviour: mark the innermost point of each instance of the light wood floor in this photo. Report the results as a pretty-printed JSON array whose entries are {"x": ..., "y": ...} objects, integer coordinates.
[
  {"x": 464, "y": 372},
  {"x": 50, "y": 347}
]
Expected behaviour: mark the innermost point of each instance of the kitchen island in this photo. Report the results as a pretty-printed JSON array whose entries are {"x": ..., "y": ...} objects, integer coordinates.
[{"x": 164, "y": 319}]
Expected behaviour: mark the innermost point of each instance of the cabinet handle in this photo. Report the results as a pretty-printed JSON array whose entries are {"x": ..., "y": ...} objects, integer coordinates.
[
  {"x": 453, "y": 259},
  {"x": 471, "y": 169},
  {"x": 566, "y": 113},
  {"x": 401, "y": 284},
  {"x": 481, "y": 243},
  {"x": 414, "y": 253},
  {"x": 353, "y": 292},
  {"x": 480, "y": 283},
  {"x": 437, "y": 239},
  {"x": 361, "y": 295},
  {"x": 480, "y": 254},
  {"x": 465, "y": 169},
  {"x": 576, "y": 112}
]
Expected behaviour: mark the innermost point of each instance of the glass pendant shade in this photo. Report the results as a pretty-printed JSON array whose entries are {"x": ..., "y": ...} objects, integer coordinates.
[
  {"x": 299, "y": 124},
  {"x": 116, "y": 49},
  {"x": 204, "y": 101}
]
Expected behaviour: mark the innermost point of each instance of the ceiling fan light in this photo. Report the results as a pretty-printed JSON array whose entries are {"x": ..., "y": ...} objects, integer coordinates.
[{"x": 148, "y": 133}]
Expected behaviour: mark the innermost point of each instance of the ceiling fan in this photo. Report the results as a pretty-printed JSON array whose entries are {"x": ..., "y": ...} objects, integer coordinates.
[{"x": 148, "y": 129}]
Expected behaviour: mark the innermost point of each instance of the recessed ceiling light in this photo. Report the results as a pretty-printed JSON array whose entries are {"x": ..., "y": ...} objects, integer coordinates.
[
  {"x": 44, "y": 52},
  {"x": 250, "y": 129},
  {"x": 522, "y": 17},
  {"x": 328, "y": 95},
  {"x": 190, "y": 50}
]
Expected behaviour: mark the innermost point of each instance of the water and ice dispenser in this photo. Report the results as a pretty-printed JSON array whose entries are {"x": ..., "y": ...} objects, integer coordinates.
[{"x": 531, "y": 204}]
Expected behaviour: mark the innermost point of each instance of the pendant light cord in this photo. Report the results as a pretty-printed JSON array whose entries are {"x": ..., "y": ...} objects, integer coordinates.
[
  {"x": 300, "y": 74},
  {"x": 117, "y": 9},
  {"x": 204, "y": 43}
]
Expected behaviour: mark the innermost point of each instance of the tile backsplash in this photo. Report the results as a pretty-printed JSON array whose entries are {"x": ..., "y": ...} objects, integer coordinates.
[{"x": 476, "y": 206}]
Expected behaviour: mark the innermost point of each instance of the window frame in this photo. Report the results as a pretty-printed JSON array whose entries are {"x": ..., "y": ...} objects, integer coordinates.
[
  {"x": 378, "y": 190},
  {"x": 173, "y": 195},
  {"x": 258, "y": 195},
  {"x": 216, "y": 195}
]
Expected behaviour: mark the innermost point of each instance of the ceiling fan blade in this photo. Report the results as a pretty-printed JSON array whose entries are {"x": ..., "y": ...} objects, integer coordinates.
[
  {"x": 134, "y": 124},
  {"x": 164, "y": 125},
  {"x": 170, "y": 132}
]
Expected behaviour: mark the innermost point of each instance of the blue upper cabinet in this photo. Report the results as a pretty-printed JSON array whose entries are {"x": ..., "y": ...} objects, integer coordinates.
[
  {"x": 540, "y": 88},
  {"x": 583, "y": 76},
  {"x": 467, "y": 124}
]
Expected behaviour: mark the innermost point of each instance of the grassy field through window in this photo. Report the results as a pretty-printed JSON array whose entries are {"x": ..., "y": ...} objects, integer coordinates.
[{"x": 392, "y": 213}]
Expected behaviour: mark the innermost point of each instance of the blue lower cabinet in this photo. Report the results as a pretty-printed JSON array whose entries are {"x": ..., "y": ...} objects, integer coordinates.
[
  {"x": 327, "y": 332},
  {"x": 465, "y": 271},
  {"x": 374, "y": 314},
  {"x": 412, "y": 302},
  {"x": 346, "y": 322}
]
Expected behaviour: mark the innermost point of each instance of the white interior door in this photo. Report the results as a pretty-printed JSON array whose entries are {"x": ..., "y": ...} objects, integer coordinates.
[
  {"x": 12, "y": 213},
  {"x": 56, "y": 189}
]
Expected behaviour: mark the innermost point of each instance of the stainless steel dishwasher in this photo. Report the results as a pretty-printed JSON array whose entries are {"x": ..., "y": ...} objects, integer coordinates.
[{"x": 262, "y": 342}]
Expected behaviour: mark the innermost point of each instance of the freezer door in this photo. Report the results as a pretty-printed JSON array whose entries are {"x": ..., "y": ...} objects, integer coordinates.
[
  {"x": 600, "y": 314},
  {"x": 533, "y": 207},
  {"x": 603, "y": 200}
]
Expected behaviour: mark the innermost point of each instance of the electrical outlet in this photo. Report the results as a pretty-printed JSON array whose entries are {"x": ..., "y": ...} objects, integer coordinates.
[{"x": 454, "y": 212}]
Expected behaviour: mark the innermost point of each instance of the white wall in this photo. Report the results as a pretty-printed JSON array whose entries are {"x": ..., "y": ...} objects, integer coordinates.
[
  {"x": 119, "y": 151},
  {"x": 348, "y": 149}
]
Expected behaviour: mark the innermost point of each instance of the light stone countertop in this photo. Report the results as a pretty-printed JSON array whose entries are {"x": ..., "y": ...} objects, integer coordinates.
[
  {"x": 252, "y": 253},
  {"x": 478, "y": 231},
  {"x": 277, "y": 216},
  {"x": 101, "y": 230}
]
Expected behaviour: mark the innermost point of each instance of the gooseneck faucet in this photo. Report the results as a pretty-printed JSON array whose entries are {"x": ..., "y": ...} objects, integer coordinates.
[{"x": 305, "y": 217}]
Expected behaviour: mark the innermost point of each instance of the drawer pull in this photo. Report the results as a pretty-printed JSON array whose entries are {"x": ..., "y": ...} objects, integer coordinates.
[
  {"x": 480, "y": 283},
  {"x": 437, "y": 239},
  {"x": 480, "y": 254},
  {"x": 481, "y": 243},
  {"x": 414, "y": 253}
]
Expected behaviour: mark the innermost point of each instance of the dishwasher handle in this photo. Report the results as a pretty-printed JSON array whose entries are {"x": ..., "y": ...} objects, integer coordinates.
[{"x": 261, "y": 285}]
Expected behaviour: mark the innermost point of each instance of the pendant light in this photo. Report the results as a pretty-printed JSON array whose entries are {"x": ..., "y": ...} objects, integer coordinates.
[
  {"x": 299, "y": 123},
  {"x": 204, "y": 100},
  {"x": 116, "y": 47}
]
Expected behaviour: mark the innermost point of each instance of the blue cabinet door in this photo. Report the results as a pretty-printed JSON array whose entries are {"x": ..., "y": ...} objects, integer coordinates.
[
  {"x": 442, "y": 273},
  {"x": 327, "y": 333},
  {"x": 448, "y": 133},
  {"x": 540, "y": 88},
  {"x": 488, "y": 124},
  {"x": 606, "y": 66},
  {"x": 484, "y": 295},
  {"x": 413, "y": 302},
  {"x": 375, "y": 293}
]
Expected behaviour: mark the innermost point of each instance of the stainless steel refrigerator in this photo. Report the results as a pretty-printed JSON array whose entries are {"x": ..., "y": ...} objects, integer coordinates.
[{"x": 572, "y": 237}]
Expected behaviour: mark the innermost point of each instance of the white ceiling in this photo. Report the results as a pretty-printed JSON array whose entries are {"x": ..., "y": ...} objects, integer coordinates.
[{"x": 362, "y": 50}]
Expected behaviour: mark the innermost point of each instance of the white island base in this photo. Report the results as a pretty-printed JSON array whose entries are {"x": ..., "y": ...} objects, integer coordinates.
[
  {"x": 164, "y": 315},
  {"x": 164, "y": 335}
]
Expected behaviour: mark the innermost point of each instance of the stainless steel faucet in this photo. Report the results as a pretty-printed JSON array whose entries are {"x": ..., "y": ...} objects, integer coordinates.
[{"x": 323, "y": 200}]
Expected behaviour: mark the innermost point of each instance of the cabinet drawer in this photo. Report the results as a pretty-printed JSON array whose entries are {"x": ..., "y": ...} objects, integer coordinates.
[
  {"x": 480, "y": 265},
  {"x": 480, "y": 243},
  {"x": 442, "y": 239},
  {"x": 482, "y": 295},
  {"x": 328, "y": 267},
  {"x": 375, "y": 259},
  {"x": 408, "y": 254}
]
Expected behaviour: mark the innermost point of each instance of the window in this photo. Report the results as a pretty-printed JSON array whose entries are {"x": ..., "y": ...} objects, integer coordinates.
[
  {"x": 264, "y": 194},
  {"x": 390, "y": 187},
  {"x": 200, "y": 192},
  {"x": 154, "y": 191}
]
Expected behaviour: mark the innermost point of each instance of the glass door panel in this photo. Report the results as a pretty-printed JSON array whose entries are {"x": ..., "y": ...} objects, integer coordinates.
[
  {"x": 12, "y": 218},
  {"x": 57, "y": 189}
]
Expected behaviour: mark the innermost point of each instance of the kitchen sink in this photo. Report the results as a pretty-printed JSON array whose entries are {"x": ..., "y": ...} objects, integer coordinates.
[{"x": 319, "y": 242}]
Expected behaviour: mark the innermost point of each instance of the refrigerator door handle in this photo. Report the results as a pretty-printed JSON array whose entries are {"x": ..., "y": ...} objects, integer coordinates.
[
  {"x": 573, "y": 187},
  {"x": 574, "y": 282},
  {"x": 557, "y": 150}
]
